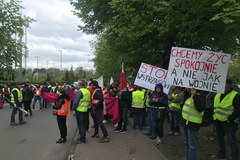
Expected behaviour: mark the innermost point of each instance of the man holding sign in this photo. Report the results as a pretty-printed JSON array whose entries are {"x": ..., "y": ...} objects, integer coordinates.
[
  {"x": 192, "y": 113},
  {"x": 196, "y": 69}
]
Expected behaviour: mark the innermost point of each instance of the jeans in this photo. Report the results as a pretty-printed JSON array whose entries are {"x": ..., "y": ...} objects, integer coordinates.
[
  {"x": 175, "y": 121},
  {"x": 151, "y": 122},
  {"x": 122, "y": 124},
  {"x": 81, "y": 123},
  {"x": 39, "y": 99},
  {"x": 229, "y": 129},
  {"x": 98, "y": 121},
  {"x": 191, "y": 144},
  {"x": 137, "y": 120},
  {"x": 14, "y": 112}
]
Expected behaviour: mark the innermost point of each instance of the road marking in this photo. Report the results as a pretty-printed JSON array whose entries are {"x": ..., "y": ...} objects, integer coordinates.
[{"x": 71, "y": 157}]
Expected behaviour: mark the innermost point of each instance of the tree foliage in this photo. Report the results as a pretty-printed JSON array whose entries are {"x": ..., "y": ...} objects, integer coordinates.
[
  {"x": 230, "y": 11},
  {"x": 94, "y": 14},
  {"x": 233, "y": 72},
  {"x": 81, "y": 73},
  {"x": 12, "y": 24},
  {"x": 145, "y": 31}
]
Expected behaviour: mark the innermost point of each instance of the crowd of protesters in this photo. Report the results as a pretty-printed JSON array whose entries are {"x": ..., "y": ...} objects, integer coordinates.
[{"x": 183, "y": 106}]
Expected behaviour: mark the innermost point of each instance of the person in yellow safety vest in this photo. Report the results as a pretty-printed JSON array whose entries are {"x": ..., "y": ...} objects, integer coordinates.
[
  {"x": 16, "y": 100},
  {"x": 151, "y": 115},
  {"x": 49, "y": 86},
  {"x": 63, "y": 110},
  {"x": 6, "y": 95},
  {"x": 57, "y": 89},
  {"x": 193, "y": 107},
  {"x": 138, "y": 108},
  {"x": 175, "y": 97},
  {"x": 226, "y": 114},
  {"x": 81, "y": 104}
]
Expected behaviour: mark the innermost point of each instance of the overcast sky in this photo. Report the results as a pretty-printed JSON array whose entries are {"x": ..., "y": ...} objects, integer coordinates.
[{"x": 55, "y": 31}]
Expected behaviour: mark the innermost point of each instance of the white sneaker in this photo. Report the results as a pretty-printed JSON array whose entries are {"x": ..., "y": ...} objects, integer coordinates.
[{"x": 158, "y": 141}]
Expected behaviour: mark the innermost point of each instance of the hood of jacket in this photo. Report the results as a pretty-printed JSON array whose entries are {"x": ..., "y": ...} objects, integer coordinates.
[{"x": 159, "y": 85}]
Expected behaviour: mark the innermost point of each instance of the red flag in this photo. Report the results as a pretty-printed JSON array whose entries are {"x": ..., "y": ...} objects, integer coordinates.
[
  {"x": 112, "y": 107},
  {"x": 1, "y": 104},
  {"x": 49, "y": 97},
  {"x": 123, "y": 82}
]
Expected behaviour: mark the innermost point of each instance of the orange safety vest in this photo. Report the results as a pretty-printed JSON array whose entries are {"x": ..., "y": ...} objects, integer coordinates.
[
  {"x": 38, "y": 92},
  {"x": 93, "y": 100},
  {"x": 65, "y": 109}
]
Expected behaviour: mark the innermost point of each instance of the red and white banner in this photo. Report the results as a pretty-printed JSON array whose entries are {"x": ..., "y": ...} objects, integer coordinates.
[{"x": 148, "y": 76}]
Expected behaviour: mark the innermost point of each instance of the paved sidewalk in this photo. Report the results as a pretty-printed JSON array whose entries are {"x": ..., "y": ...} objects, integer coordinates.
[{"x": 131, "y": 145}]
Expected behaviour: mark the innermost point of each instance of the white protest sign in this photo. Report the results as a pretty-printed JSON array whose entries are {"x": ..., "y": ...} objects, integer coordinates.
[
  {"x": 148, "y": 76},
  {"x": 203, "y": 70}
]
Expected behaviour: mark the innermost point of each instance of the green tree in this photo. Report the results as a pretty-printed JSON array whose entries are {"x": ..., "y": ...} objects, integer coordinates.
[
  {"x": 233, "y": 72},
  {"x": 145, "y": 31},
  {"x": 71, "y": 75},
  {"x": 229, "y": 13},
  {"x": 67, "y": 77},
  {"x": 94, "y": 14},
  {"x": 12, "y": 24}
]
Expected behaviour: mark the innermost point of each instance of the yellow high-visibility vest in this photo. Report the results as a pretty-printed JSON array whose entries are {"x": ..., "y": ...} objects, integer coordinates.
[
  {"x": 224, "y": 108},
  {"x": 84, "y": 103},
  {"x": 20, "y": 97},
  {"x": 175, "y": 105},
  {"x": 194, "y": 115},
  {"x": 138, "y": 99}
]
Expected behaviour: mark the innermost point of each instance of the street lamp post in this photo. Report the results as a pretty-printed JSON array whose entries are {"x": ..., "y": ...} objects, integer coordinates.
[
  {"x": 20, "y": 63},
  {"x": 60, "y": 51},
  {"x": 37, "y": 65},
  {"x": 47, "y": 69},
  {"x": 26, "y": 52}
]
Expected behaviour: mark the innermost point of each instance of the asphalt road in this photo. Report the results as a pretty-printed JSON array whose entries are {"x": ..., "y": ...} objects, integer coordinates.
[{"x": 35, "y": 140}]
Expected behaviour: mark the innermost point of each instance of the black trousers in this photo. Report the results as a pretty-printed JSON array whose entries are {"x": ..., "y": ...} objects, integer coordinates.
[
  {"x": 27, "y": 106},
  {"x": 44, "y": 104},
  {"x": 87, "y": 121},
  {"x": 62, "y": 125}
]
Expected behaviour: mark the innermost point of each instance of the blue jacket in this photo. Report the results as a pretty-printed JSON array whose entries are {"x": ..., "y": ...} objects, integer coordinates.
[{"x": 162, "y": 97}]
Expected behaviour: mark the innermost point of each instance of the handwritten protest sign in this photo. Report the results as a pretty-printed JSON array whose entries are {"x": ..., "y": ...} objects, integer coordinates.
[
  {"x": 203, "y": 70},
  {"x": 148, "y": 76}
]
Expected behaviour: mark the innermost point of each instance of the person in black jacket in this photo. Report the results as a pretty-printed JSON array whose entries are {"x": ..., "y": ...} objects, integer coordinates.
[
  {"x": 27, "y": 99},
  {"x": 159, "y": 100},
  {"x": 45, "y": 89},
  {"x": 124, "y": 104},
  {"x": 194, "y": 103},
  {"x": 62, "y": 106},
  {"x": 97, "y": 101}
]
